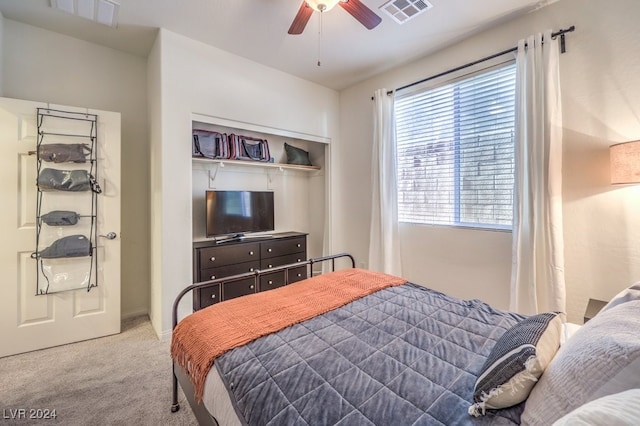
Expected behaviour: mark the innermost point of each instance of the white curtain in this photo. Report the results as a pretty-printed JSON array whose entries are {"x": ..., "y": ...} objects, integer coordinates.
[
  {"x": 537, "y": 279},
  {"x": 384, "y": 246}
]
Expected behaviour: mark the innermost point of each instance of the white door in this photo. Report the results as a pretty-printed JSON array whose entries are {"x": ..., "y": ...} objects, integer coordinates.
[{"x": 31, "y": 321}]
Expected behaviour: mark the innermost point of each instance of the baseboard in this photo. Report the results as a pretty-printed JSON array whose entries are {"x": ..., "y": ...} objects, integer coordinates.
[
  {"x": 165, "y": 336},
  {"x": 133, "y": 314}
]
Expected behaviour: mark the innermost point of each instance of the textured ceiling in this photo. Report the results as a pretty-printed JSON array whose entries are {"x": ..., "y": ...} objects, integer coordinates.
[{"x": 257, "y": 30}]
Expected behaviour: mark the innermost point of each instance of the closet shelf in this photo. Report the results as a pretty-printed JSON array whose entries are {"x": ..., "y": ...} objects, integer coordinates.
[{"x": 255, "y": 164}]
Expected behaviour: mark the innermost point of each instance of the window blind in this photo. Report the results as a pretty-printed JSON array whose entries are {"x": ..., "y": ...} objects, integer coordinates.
[{"x": 455, "y": 152}]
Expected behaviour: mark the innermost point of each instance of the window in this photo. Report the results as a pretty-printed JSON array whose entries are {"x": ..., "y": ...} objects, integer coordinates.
[{"x": 455, "y": 152}]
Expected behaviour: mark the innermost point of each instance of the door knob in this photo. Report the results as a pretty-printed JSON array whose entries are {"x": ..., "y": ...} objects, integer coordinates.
[{"x": 109, "y": 236}]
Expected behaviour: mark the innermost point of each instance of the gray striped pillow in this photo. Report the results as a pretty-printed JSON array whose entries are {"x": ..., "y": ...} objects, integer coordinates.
[{"x": 516, "y": 361}]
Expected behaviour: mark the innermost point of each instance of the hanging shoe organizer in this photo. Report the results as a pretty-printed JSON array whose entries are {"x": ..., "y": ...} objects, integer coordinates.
[{"x": 67, "y": 201}]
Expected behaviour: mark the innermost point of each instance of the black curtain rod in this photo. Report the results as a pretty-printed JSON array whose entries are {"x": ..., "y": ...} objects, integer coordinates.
[{"x": 563, "y": 49}]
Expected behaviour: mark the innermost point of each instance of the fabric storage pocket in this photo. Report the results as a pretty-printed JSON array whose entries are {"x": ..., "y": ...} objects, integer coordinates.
[
  {"x": 210, "y": 144},
  {"x": 64, "y": 152},
  {"x": 64, "y": 274},
  {"x": 67, "y": 180},
  {"x": 60, "y": 218},
  {"x": 249, "y": 148},
  {"x": 71, "y": 246}
]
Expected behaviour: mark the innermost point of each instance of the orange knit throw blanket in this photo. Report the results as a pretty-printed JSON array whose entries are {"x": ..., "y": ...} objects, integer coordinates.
[{"x": 203, "y": 336}]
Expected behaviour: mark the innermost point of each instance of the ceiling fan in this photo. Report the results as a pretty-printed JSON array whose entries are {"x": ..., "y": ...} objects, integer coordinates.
[{"x": 356, "y": 8}]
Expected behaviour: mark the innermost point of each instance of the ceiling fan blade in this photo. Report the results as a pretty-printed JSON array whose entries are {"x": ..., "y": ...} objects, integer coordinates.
[
  {"x": 301, "y": 19},
  {"x": 362, "y": 13}
]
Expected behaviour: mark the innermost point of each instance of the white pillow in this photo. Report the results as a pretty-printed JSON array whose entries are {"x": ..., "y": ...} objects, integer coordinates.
[
  {"x": 602, "y": 358},
  {"x": 619, "y": 409},
  {"x": 626, "y": 295},
  {"x": 568, "y": 330}
]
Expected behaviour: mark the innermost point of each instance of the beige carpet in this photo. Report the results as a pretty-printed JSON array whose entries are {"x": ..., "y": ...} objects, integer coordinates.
[{"x": 116, "y": 380}]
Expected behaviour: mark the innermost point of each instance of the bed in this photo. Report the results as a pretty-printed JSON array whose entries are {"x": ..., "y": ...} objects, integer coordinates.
[{"x": 393, "y": 352}]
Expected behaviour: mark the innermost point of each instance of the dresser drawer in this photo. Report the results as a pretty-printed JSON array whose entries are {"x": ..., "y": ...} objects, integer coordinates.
[
  {"x": 271, "y": 281},
  {"x": 297, "y": 274},
  {"x": 206, "y": 296},
  {"x": 226, "y": 271},
  {"x": 227, "y": 255},
  {"x": 238, "y": 288},
  {"x": 277, "y": 248},
  {"x": 276, "y": 279},
  {"x": 281, "y": 260}
]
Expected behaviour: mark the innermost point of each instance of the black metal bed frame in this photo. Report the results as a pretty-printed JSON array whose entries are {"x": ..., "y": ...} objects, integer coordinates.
[{"x": 175, "y": 406}]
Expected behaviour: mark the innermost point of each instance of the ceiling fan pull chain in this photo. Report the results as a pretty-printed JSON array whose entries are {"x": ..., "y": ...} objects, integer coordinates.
[{"x": 320, "y": 37}]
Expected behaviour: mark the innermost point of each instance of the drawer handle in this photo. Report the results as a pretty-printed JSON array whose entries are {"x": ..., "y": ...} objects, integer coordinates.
[
  {"x": 299, "y": 245},
  {"x": 270, "y": 282},
  {"x": 213, "y": 296},
  {"x": 299, "y": 275},
  {"x": 299, "y": 260},
  {"x": 251, "y": 253},
  {"x": 251, "y": 286},
  {"x": 212, "y": 258},
  {"x": 270, "y": 266},
  {"x": 250, "y": 269},
  {"x": 269, "y": 250},
  {"x": 213, "y": 277}
]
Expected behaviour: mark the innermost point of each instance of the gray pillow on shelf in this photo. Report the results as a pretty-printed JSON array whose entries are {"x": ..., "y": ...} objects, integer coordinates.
[{"x": 296, "y": 155}]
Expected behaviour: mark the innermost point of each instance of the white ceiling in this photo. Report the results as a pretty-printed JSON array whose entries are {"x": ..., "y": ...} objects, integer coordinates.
[{"x": 257, "y": 30}]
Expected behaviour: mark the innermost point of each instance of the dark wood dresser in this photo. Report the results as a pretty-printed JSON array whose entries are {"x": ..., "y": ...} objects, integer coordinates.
[{"x": 213, "y": 260}]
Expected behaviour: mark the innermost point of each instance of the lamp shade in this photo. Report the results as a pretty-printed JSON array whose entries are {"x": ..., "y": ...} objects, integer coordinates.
[{"x": 625, "y": 162}]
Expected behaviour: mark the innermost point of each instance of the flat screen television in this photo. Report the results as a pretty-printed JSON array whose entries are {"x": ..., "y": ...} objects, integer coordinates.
[{"x": 234, "y": 213}]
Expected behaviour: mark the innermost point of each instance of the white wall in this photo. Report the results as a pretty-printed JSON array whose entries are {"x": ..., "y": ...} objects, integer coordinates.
[
  {"x": 602, "y": 232},
  {"x": 599, "y": 82},
  {"x": 40, "y": 65},
  {"x": 154, "y": 92},
  {"x": 199, "y": 79}
]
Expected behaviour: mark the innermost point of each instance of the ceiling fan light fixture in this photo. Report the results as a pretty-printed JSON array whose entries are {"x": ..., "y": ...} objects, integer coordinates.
[
  {"x": 323, "y": 5},
  {"x": 355, "y": 8}
]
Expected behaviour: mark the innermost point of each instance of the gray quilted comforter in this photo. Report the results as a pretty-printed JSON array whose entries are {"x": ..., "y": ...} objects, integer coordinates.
[{"x": 405, "y": 355}]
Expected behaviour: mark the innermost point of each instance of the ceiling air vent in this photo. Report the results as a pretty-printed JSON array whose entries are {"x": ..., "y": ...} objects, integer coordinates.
[{"x": 403, "y": 10}]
